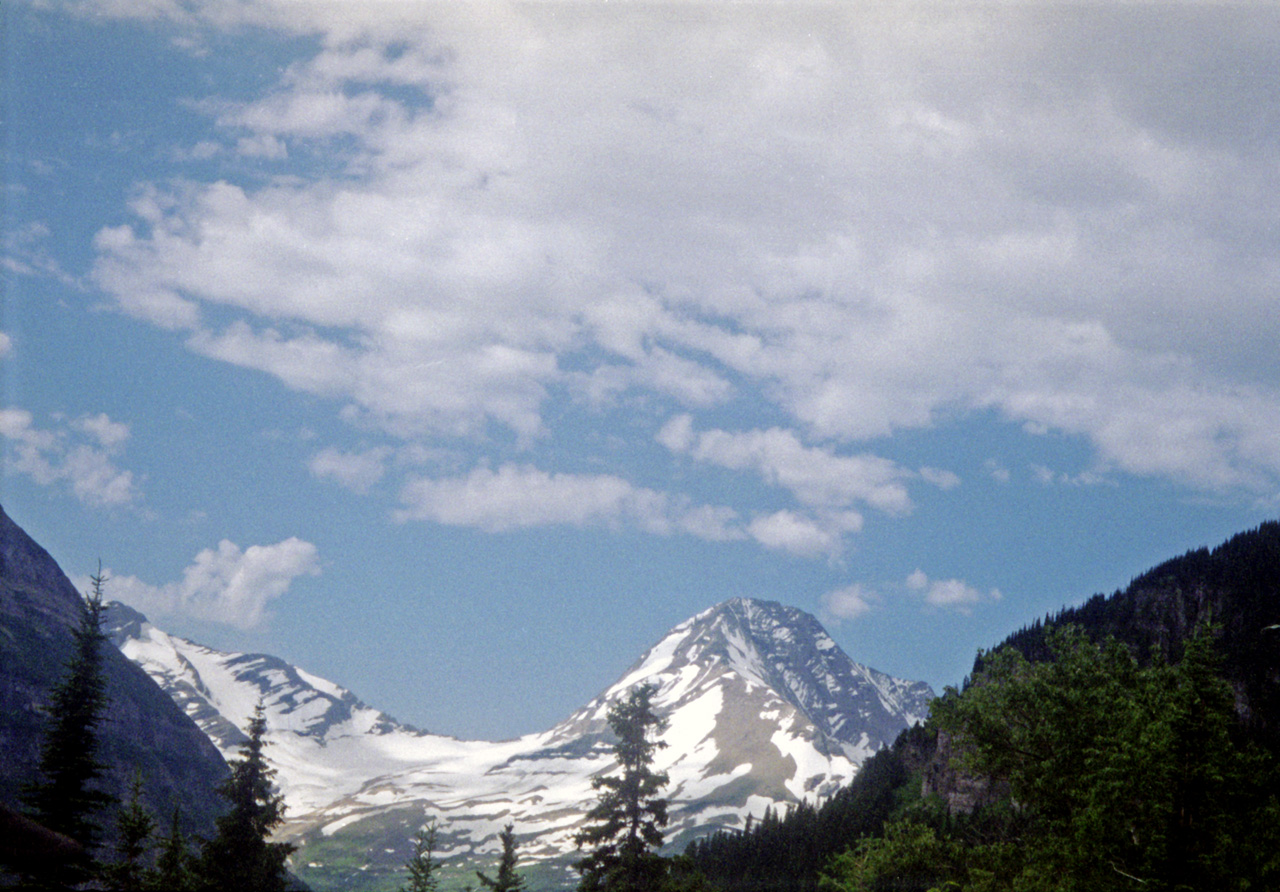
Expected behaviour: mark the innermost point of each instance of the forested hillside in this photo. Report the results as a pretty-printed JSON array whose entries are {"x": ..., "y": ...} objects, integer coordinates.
[
  {"x": 1235, "y": 586},
  {"x": 1136, "y": 733}
]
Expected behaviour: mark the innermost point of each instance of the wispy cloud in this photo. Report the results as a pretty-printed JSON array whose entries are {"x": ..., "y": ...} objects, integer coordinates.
[
  {"x": 818, "y": 478},
  {"x": 78, "y": 455},
  {"x": 357, "y": 471},
  {"x": 517, "y": 496},
  {"x": 850, "y": 602}
]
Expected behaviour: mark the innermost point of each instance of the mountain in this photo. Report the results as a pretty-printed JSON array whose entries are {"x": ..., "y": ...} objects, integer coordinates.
[
  {"x": 143, "y": 729},
  {"x": 763, "y": 708}
]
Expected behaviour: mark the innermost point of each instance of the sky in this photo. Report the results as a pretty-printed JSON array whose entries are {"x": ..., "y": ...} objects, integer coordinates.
[{"x": 457, "y": 351}]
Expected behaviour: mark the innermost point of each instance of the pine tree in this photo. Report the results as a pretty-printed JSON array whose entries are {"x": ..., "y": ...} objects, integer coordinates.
[
  {"x": 65, "y": 798},
  {"x": 507, "y": 880},
  {"x": 240, "y": 856},
  {"x": 422, "y": 866},
  {"x": 624, "y": 827},
  {"x": 134, "y": 830},
  {"x": 174, "y": 864}
]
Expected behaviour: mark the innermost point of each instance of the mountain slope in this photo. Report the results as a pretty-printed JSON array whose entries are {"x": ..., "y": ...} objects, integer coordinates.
[
  {"x": 764, "y": 710},
  {"x": 1235, "y": 586},
  {"x": 143, "y": 730}
]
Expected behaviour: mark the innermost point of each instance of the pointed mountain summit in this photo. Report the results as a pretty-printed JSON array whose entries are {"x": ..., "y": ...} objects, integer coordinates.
[
  {"x": 764, "y": 710},
  {"x": 787, "y": 651}
]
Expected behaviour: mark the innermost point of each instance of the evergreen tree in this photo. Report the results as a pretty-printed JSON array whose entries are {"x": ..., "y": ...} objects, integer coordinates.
[
  {"x": 625, "y": 826},
  {"x": 507, "y": 880},
  {"x": 134, "y": 830},
  {"x": 240, "y": 857},
  {"x": 1120, "y": 777},
  {"x": 174, "y": 864},
  {"x": 65, "y": 798},
  {"x": 423, "y": 865}
]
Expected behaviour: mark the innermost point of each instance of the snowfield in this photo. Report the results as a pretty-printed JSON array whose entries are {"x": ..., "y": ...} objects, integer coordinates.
[{"x": 763, "y": 709}]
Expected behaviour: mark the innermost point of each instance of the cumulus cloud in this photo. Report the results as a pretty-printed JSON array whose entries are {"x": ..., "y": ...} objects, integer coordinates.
[
  {"x": 78, "y": 455},
  {"x": 824, "y": 210},
  {"x": 6, "y": 345},
  {"x": 226, "y": 584},
  {"x": 803, "y": 536},
  {"x": 949, "y": 594}
]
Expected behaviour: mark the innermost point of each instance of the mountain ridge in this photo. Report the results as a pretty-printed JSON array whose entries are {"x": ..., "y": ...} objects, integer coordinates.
[{"x": 764, "y": 711}]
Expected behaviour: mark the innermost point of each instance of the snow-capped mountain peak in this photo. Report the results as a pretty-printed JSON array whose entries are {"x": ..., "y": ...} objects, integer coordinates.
[{"x": 763, "y": 709}]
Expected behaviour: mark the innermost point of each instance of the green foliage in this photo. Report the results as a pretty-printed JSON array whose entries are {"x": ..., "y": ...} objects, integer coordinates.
[
  {"x": 134, "y": 831},
  {"x": 422, "y": 865},
  {"x": 240, "y": 856},
  {"x": 624, "y": 828},
  {"x": 65, "y": 797},
  {"x": 1121, "y": 777},
  {"x": 507, "y": 879},
  {"x": 909, "y": 855},
  {"x": 683, "y": 875},
  {"x": 175, "y": 865}
]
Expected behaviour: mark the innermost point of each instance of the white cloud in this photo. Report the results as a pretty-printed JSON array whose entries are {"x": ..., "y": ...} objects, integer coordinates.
[
  {"x": 6, "y": 345},
  {"x": 357, "y": 471},
  {"x": 226, "y": 584},
  {"x": 827, "y": 486},
  {"x": 998, "y": 471},
  {"x": 516, "y": 497},
  {"x": 78, "y": 455},
  {"x": 818, "y": 478},
  {"x": 790, "y": 532},
  {"x": 825, "y": 209},
  {"x": 24, "y": 252},
  {"x": 109, "y": 434},
  {"x": 949, "y": 594},
  {"x": 849, "y": 602}
]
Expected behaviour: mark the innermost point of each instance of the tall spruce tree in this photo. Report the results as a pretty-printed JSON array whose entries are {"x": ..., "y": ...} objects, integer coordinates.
[
  {"x": 624, "y": 828},
  {"x": 65, "y": 797},
  {"x": 507, "y": 880},
  {"x": 240, "y": 856}
]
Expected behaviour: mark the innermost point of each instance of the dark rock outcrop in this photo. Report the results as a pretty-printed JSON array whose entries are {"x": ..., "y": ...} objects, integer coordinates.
[{"x": 143, "y": 731}]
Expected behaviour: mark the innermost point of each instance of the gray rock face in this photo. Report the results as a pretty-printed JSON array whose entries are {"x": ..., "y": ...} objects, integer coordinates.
[{"x": 143, "y": 730}]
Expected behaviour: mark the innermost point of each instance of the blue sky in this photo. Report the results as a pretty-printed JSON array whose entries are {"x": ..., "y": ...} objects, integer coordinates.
[{"x": 457, "y": 351}]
